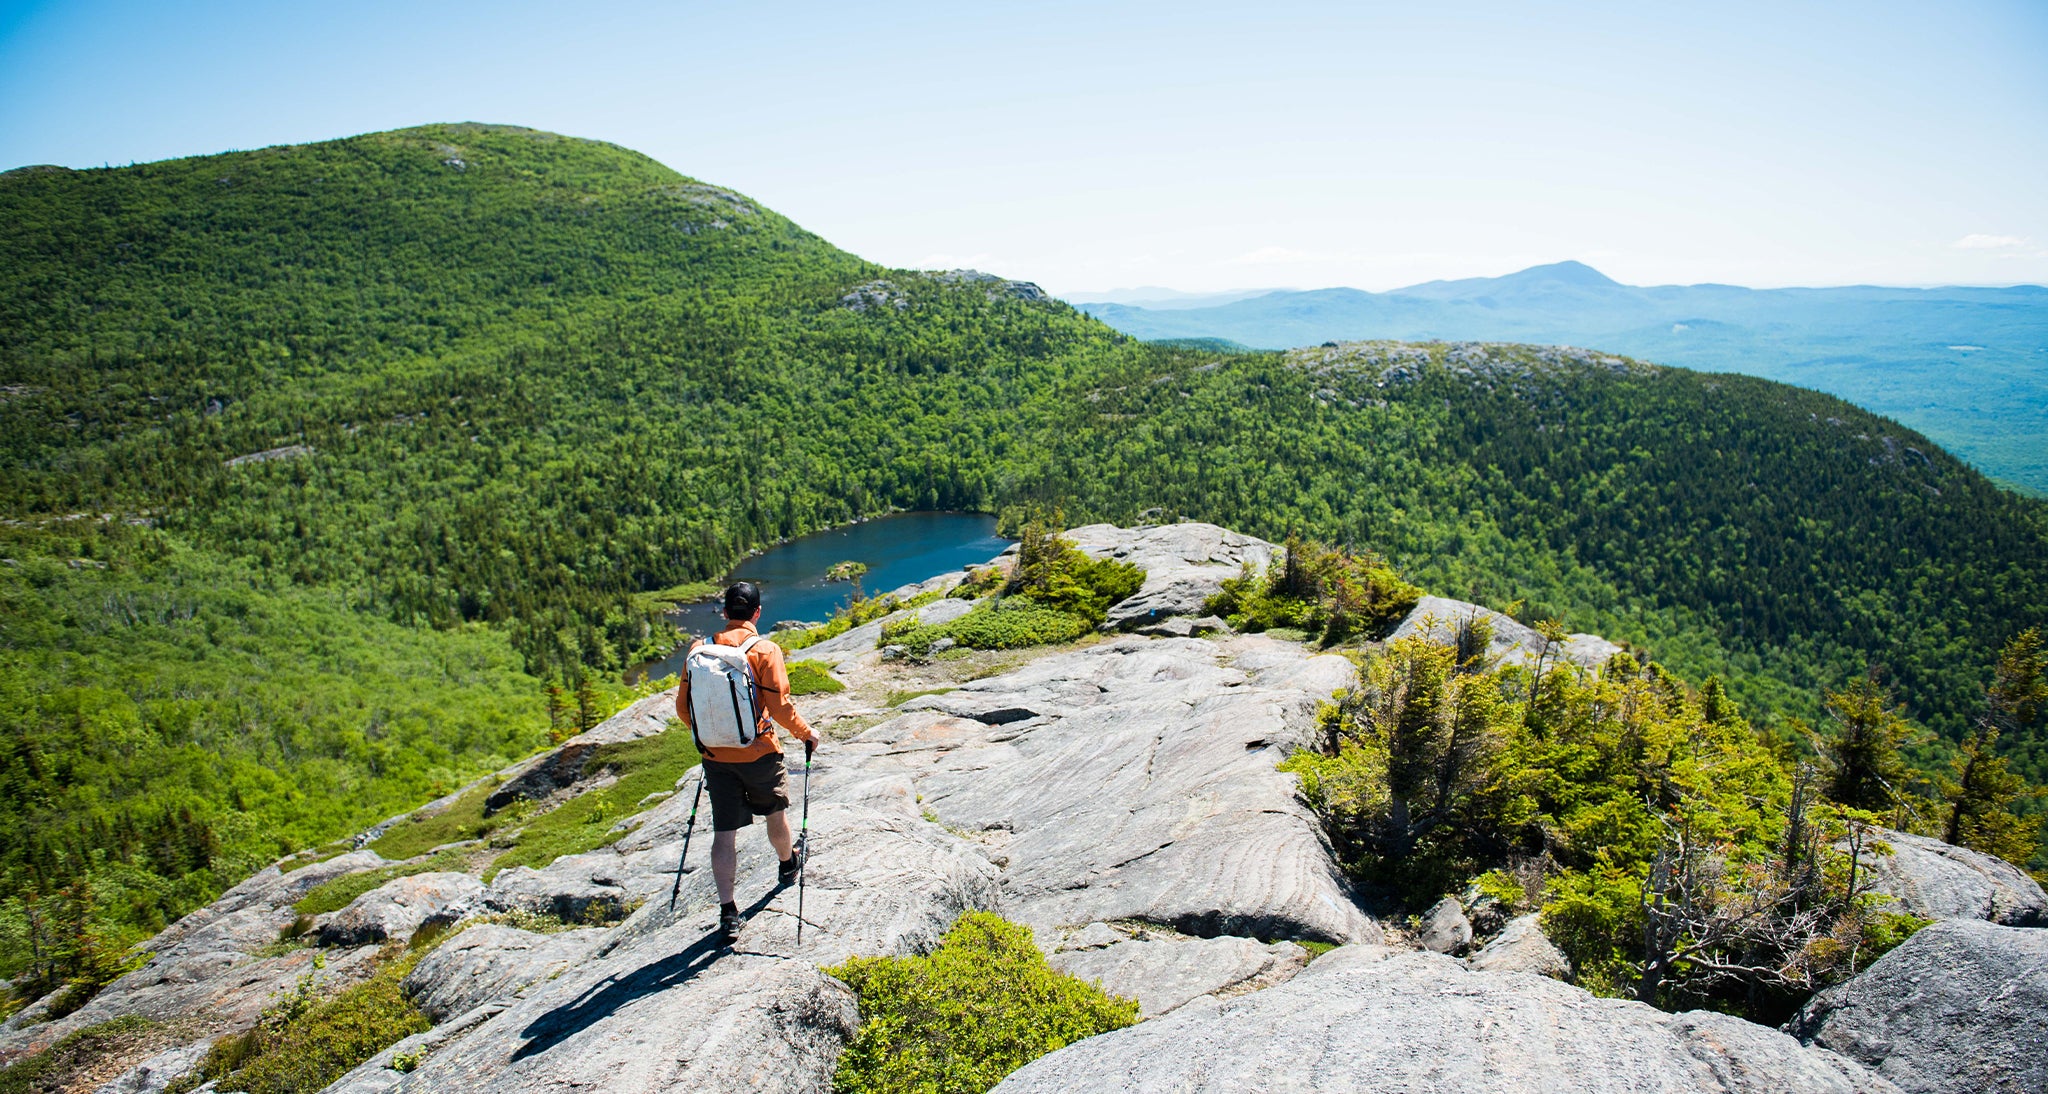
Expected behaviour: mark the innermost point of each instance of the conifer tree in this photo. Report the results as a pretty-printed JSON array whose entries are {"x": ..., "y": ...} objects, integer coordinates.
[
  {"x": 1866, "y": 770},
  {"x": 1980, "y": 798},
  {"x": 587, "y": 715}
]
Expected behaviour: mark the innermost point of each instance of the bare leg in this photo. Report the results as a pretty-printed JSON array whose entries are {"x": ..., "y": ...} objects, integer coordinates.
[
  {"x": 779, "y": 835},
  {"x": 724, "y": 862}
]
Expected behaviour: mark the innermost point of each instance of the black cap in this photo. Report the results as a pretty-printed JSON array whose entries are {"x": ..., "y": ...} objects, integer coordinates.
[{"x": 742, "y": 599}]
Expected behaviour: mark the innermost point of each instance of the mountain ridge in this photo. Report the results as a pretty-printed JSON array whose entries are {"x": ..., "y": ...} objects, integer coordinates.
[
  {"x": 1894, "y": 350},
  {"x": 523, "y": 380}
]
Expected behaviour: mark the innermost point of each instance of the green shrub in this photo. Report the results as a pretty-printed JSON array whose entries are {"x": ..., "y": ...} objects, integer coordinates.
[
  {"x": 1057, "y": 575},
  {"x": 303, "y": 1043},
  {"x": 982, "y": 1005},
  {"x": 812, "y": 678},
  {"x": 862, "y": 611},
  {"x": 1331, "y": 594},
  {"x": 59, "y": 1066},
  {"x": 1004, "y": 624}
]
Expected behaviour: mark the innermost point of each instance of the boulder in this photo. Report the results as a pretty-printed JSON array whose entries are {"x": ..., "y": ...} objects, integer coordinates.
[
  {"x": 1372, "y": 1018},
  {"x": 209, "y": 960},
  {"x": 1962, "y": 1006},
  {"x": 1165, "y": 974},
  {"x": 1522, "y": 947},
  {"x": 1185, "y": 565},
  {"x": 1134, "y": 780},
  {"x": 490, "y": 962},
  {"x": 154, "y": 1075},
  {"x": 1181, "y": 626},
  {"x": 1438, "y": 618},
  {"x": 394, "y": 910},
  {"x": 1444, "y": 928},
  {"x": 660, "y": 1004},
  {"x": 1936, "y": 880}
]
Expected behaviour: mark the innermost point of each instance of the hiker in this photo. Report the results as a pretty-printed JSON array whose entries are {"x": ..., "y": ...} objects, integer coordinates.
[{"x": 744, "y": 779}]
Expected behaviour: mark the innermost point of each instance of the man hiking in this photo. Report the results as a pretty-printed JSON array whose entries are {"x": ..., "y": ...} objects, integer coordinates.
[{"x": 742, "y": 691}]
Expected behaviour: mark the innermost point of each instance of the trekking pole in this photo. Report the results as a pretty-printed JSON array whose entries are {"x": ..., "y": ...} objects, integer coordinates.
[
  {"x": 803, "y": 843},
  {"x": 687, "y": 832}
]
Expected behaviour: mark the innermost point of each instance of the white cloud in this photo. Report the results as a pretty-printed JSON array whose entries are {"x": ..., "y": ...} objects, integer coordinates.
[{"x": 1978, "y": 241}]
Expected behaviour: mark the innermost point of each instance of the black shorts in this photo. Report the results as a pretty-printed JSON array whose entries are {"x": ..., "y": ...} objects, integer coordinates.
[{"x": 740, "y": 792}]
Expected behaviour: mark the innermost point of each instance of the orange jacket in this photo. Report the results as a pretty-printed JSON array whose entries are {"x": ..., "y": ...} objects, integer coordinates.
[{"x": 771, "y": 682}]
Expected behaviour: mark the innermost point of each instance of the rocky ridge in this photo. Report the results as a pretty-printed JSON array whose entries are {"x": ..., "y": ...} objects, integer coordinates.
[{"x": 1118, "y": 796}]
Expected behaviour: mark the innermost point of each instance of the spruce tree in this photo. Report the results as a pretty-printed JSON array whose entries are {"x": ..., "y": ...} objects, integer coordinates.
[
  {"x": 1980, "y": 797},
  {"x": 1865, "y": 769}
]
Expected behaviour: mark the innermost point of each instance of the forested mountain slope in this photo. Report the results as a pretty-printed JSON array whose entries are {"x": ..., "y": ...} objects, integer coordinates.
[
  {"x": 1968, "y": 366},
  {"x": 319, "y": 462}
]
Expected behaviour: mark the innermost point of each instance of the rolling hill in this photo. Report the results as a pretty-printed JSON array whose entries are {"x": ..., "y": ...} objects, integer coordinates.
[
  {"x": 319, "y": 464},
  {"x": 1966, "y": 366}
]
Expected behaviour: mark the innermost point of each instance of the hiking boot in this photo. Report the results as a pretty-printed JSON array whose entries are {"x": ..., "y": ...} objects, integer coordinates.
[
  {"x": 729, "y": 924},
  {"x": 787, "y": 870}
]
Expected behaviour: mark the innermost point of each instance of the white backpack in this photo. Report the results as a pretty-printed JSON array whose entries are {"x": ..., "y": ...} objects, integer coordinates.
[{"x": 724, "y": 703}]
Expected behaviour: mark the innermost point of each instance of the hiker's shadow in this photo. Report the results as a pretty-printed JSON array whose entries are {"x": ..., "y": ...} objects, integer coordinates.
[{"x": 609, "y": 995}]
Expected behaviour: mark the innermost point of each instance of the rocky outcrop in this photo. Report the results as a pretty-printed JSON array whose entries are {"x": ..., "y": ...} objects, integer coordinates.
[
  {"x": 1131, "y": 780},
  {"x": 491, "y": 962},
  {"x": 1164, "y": 974},
  {"x": 1439, "y": 617},
  {"x": 660, "y": 1005},
  {"x": 1371, "y": 1018},
  {"x": 396, "y": 909},
  {"x": 1185, "y": 565},
  {"x": 1962, "y": 1006},
  {"x": 1522, "y": 947},
  {"x": 1937, "y": 880},
  {"x": 1444, "y": 928},
  {"x": 211, "y": 961},
  {"x": 155, "y": 1074}
]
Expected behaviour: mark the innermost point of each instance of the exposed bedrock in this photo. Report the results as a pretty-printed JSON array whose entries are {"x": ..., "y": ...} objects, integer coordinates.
[
  {"x": 1184, "y": 564},
  {"x": 1369, "y": 1018},
  {"x": 1132, "y": 780},
  {"x": 1962, "y": 1006},
  {"x": 1439, "y": 617},
  {"x": 1939, "y": 881}
]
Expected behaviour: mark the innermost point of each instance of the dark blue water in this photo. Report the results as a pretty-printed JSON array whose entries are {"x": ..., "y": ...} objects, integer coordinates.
[{"x": 898, "y": 550}]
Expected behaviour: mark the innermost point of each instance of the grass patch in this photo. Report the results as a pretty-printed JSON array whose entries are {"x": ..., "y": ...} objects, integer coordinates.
[
  {"x": 982, "y": 1005},
  {"x": 463, "y": 820},
  {"x": 812, "y": 678},
  {"x": 585, "y": 822},
  {"x": 898, "y": 698},
  {"x": 333, "y": 896},
  {"x": 1315, "y": 949},
  {"x": 55, "y": 1067},
  {"x": 303, "y": 1044},
  {"x": 856, "y": 614}
]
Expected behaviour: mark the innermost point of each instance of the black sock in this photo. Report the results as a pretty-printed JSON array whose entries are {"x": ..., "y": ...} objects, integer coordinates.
[{"x": 729, "y": 908}]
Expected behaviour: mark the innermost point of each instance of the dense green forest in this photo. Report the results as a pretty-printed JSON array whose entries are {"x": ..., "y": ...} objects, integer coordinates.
[{"x": 318, "y": 464}]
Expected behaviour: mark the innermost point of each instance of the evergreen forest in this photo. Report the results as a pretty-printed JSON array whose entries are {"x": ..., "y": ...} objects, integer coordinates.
[{"x": 328, "y": 472}]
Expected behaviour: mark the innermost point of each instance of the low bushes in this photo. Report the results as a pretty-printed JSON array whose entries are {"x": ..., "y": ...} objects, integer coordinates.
[
  {"x": 1330, "y": 594},
  {"x": 1055, "y": 593},
  {"x": 1672, "y": 854},
  {"x": 304, "y": 1043},
  {"x": 982, "y": 1005}
]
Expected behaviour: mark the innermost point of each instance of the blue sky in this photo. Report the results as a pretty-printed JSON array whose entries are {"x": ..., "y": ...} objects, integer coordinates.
[{"x": 1197, "y": 146}]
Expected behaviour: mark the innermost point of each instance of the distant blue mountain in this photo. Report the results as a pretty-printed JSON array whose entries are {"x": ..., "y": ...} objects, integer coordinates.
[{"x": 1966, "y": 366}]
